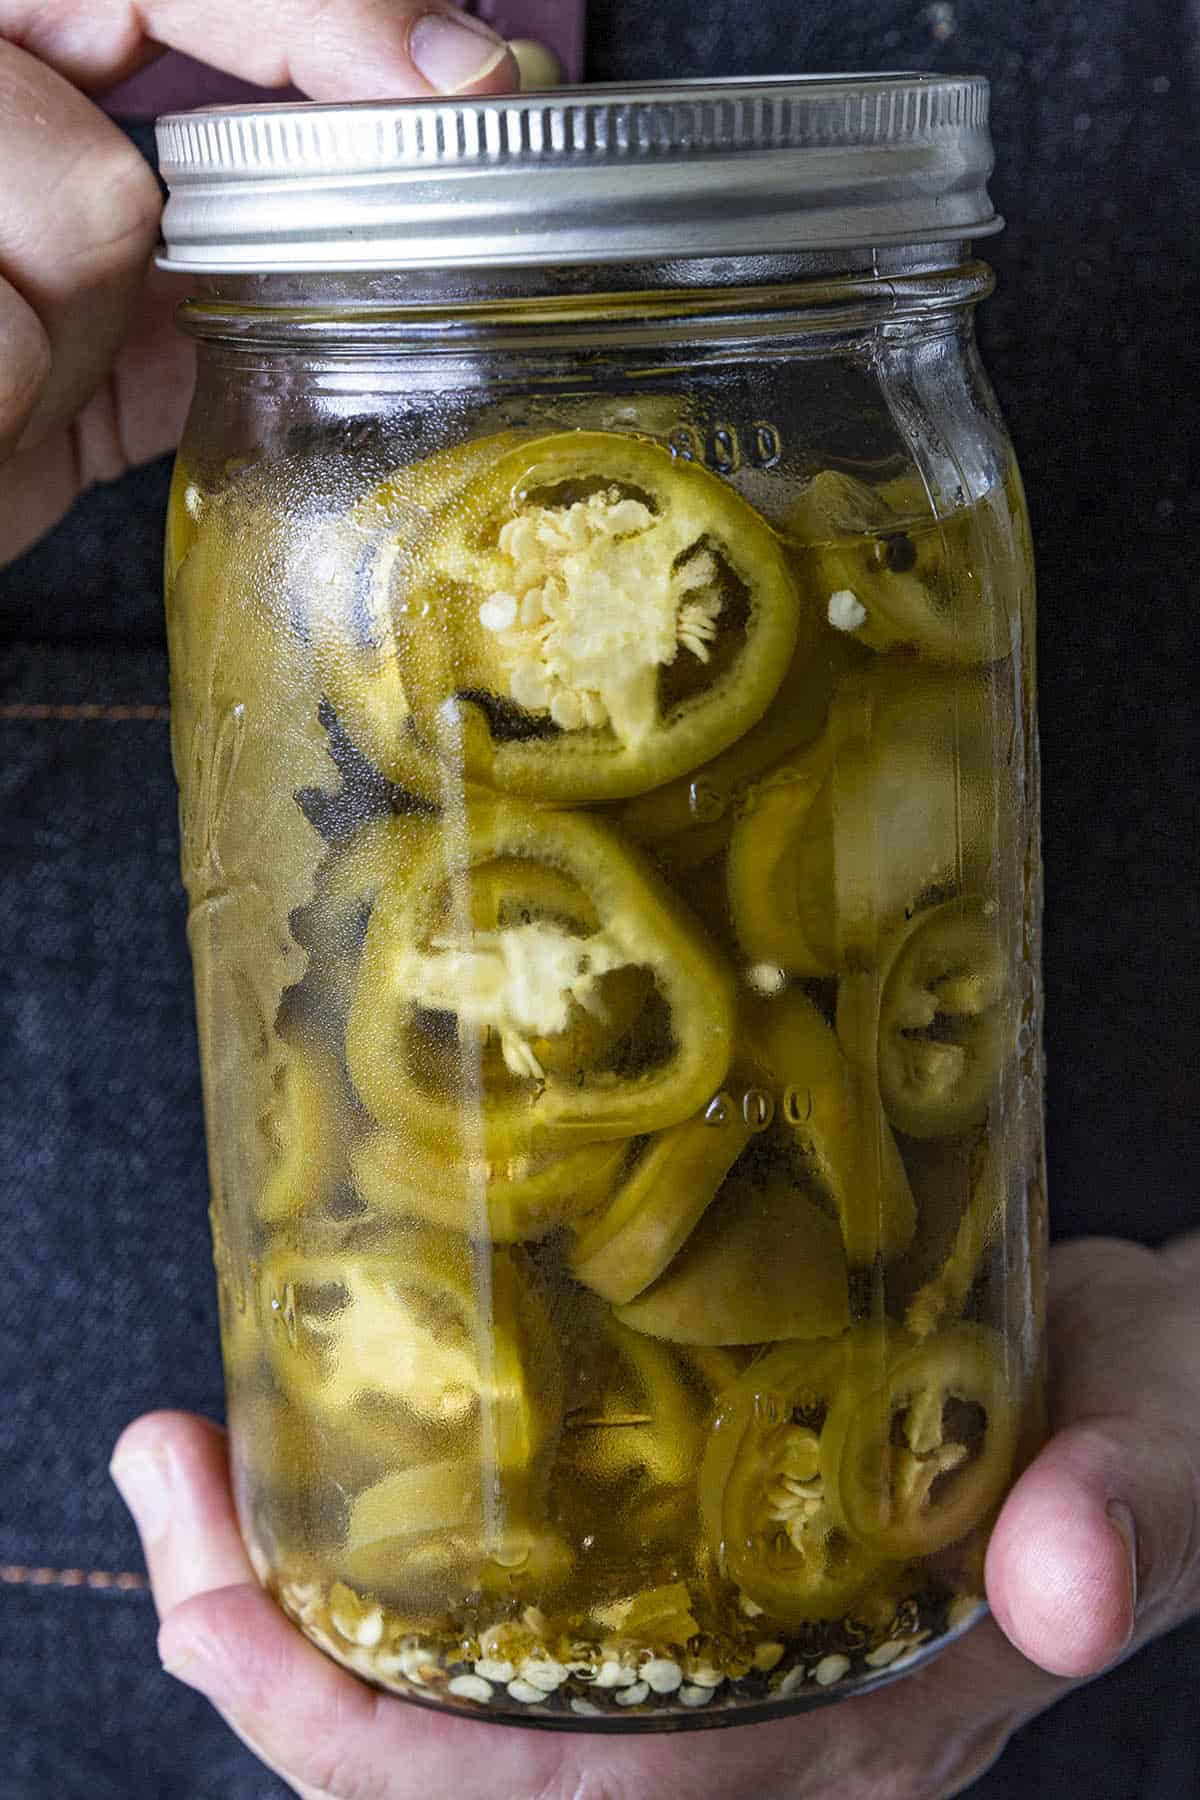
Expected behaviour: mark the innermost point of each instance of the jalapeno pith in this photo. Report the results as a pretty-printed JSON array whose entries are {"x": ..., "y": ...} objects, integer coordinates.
[
  {"x": 764, "y": 1507},
  {"x": 505, "y": 990},
  {"x": 896, "y": 587},
  {"x": 917, "y": 1453},
  {"x": 631, "y": 613}
]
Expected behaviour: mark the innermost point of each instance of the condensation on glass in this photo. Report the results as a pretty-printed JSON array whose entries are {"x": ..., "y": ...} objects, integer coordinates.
[{"x": 603, "y": 705}]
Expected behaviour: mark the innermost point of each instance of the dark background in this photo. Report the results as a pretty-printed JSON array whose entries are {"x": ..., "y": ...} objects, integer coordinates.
[{"x": 105, "y": 1283}]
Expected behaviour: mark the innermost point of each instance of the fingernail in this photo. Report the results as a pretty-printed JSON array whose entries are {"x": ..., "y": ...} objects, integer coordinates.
[
  {"x": 143, "y": 1483},
  {"x": 454, "y": 53},
  {"x": 1123, "y": 1520},
  {"x": 538, "y": 66}
]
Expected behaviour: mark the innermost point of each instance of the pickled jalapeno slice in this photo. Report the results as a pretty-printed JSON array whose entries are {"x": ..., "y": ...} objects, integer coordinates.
[
  {"x": 448, "y": 1019},
  {"x": 629, "y": 1454},
  {"x": 507, "y": 1201},
  {"x": 830, "y": 1107},
  {"x": 354, "y": 616},
  {"x": 897, "y": 801},
  {"x": 764, "y": 1507},
  {"x": 644, "y": 1416},
  {"x": 780, "y": 871},
  {"x": 763, "y": 1265},
  {"x": 942, "y": 1298},
  {"x": 918, "y": 1446},
  {"x": 937, "y": 1016},
  {"x": 898, "y": 579},
  {"x": 702, "y": 804},
  {"x": 423, "y": 1535},
  {"x": 666, "y": 1192},
  {"x": 304, "y": 1129},
  {"x": 360, "y": 1333},
  {"x": 246, "y": 738},
  {"x": 593, "y": 618}
]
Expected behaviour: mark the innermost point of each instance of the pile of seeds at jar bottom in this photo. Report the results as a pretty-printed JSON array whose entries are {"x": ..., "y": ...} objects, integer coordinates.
[{"x": 524, "y": 1664}]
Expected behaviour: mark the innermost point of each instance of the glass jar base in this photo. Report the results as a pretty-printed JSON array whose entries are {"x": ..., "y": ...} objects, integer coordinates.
[{"x": 509, "y": 1677}]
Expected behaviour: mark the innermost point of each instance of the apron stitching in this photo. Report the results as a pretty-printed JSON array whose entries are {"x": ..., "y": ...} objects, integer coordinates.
[
  {"x": 125, "y": 1582},
  {"x": 84, "y": 714}
]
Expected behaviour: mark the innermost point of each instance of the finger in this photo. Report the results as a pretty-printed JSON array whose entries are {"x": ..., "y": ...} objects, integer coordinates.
[
  {"x": 24, "y": 364},
  {"x": 1098, "y": 1547},
  {"x": 357, "y": 50},
  {"x": 136, "y": 413},
  {"x": 329, "y": 1735},
  {"x": 221, "y": 1634},
  {"x": 79, "y": 212},
  {"x": 539, "y": 67},
  {"x": 172, "y": 1471}
]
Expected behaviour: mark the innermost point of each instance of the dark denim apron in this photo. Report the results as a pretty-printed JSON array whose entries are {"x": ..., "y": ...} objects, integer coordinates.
[{"x": 106, "y": 1291}]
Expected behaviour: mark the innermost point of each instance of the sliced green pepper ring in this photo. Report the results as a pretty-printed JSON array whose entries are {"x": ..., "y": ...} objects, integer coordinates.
[
  {"x": 762, "y": 1265},
  {"x": 917, "y": 799},
  {"x": 918, "y": 1453},
  {"x": 830, "y": 1105},
  {"x": 593, "y": 618},
  {"x": 780, "y": 872},
  {"x": 506, "y": 1202},
  {"x": 631, "y": 1452},
  {"x": 366, "y": 1330},
  {"x": 898, "y": 800},
  {"x": 510, "y": 895},
  {"x": 898, "y": 584},
  {"x": 422, "y": 1534},
  {"x": 644, "y": 1416},
  {"x": 417, "y": 1502},
  {"x": 763, "y": 1506},
  {"x": 702, "y": 804},
  {"x": 356, "y": 616},
  {"x": 305, "y": 1132},
  {"x": 443, "y": 1028},
  {"x": 662, "y": 1199},
  {"x": 942, "y": 1298},
  {"x": 937, "y": 1015}
]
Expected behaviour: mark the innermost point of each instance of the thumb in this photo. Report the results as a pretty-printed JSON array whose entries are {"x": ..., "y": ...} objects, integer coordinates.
[{"x": 1098, "y": 1546}]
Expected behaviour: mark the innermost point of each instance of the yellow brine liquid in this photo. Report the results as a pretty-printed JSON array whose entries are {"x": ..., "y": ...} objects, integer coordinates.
[{"x": 614, "y": 919}]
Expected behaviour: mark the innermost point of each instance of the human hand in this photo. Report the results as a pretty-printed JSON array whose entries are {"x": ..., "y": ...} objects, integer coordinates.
[
  {"x": 1096, "y": 1551},
  {"x": 93, "y": 375}
]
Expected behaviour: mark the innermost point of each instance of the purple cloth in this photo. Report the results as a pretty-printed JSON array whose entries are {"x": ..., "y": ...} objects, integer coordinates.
[{"x": 177, "y": 82}]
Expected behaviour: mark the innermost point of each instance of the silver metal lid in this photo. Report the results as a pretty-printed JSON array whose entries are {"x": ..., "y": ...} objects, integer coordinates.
[{"x": 585, "y": 175}]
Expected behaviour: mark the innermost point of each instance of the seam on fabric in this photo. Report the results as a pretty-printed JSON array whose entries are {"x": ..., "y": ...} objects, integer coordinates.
[
  {"x": 122, "y": 1582},
  {"x": 85, "y": 714}
]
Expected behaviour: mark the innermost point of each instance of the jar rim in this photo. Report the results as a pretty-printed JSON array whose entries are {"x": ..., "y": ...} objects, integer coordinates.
[{"x": 580, "y": 176}]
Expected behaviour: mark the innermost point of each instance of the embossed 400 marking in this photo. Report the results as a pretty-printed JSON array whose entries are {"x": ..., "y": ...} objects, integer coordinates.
[{"x": 728, "y": 447}]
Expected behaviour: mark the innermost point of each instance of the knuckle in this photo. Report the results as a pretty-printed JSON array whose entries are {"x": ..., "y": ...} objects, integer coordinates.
[
  {"x": 106, "y": 207},
  {"x": 125, "y": 204}
]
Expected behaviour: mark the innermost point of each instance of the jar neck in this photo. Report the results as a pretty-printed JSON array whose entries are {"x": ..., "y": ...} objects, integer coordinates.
[{"x": 821, "y": 291}]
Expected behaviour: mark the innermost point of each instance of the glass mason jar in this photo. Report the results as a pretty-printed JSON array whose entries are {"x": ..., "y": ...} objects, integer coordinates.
[{"x": 601, "y": 626}]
